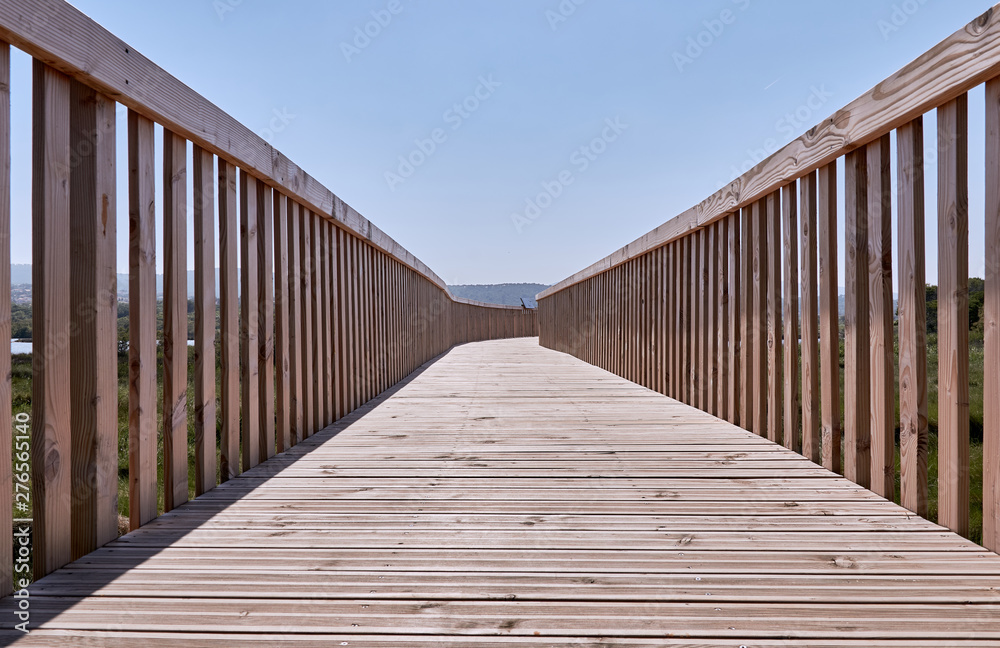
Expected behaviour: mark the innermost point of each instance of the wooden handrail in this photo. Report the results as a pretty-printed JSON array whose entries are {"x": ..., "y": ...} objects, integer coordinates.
[
  {"x": 706, "y": 308},
  {"x": 957, "y": 64},
  {"x": 323, "y": 313}
]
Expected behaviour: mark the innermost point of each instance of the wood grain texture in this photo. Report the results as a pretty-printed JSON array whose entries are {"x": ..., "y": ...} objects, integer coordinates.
[
  {"x": 914, "y": 437},
  {"x": 175, "y": 322},
  {"x": 829, "y": 316},
  {"x": 809, "y": 305},
  {"x": 295, "y": 363},
  {"x": 51, "y": 442},
  {"x": 759, "y": 285},
  {"x": 142, "y": 422},
  {"x": 883, "y": 391},
  {"x": 857, "y": 352},
  {"x": 723, "y": 366},
  {"x": 94, "y": 317},
  {"x": 790, "y": 316},
  {"x": 250, "y": 418},
  {"x": 953, "y": 315},
  {"x": 772, "y": 301},
  {"x": 229, "y": 324},
  {"x": 205, "y": 435},
  {"x": 265, "y": 318},
  {"x": 282, "y": 333},
  {"x": 964, "y": 60},
  {"x": 712, "y": 305},
  {"x": 991, "y": 326},
  {"x": 736, "y": 288},
  {"x": 306, "y": 263},
  {"x": 746, "y": 318}
]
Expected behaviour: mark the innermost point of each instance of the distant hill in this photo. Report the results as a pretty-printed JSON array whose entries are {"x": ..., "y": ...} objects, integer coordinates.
[{"x": 504, "y": 294}]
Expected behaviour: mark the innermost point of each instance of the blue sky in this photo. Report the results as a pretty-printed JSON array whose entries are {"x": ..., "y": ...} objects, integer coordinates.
[{"x": 618, "y": 114}]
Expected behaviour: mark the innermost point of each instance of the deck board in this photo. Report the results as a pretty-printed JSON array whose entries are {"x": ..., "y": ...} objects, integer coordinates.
[{"x": 508, "y": 495}]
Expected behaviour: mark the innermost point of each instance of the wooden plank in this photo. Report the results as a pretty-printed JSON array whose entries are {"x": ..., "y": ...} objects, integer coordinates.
[
  {"x": 51, "y": 441},
  {"x": 329, "y": 317},
  {"x": 142, "y": 322},
  {"x": 746, "y": 318},
  {"x": 829, "y": 316},
  {"x": 991, "y": 332},
  {"x": 315, "y": 296},
  {"x": 953, "y": 316},
  {"x": 883, "y": 392},
  {"x": 759, "y": 286},
  {"x": 205, "y": 438},
  {"x": 913, "y": 433},
  {"x": 175, "y": 322},
  {"x": 282, "y": 333},
  {"x": 94, "y": 316},
  {"x": 295, "y": 363},
  {"x": 229, "y": 334},
  {"x": 775, "y": 404},
  {"x": 790, "y": 315},
  {"x": 712, "y": 304},
  {"x": 265, "y": 319},
  {"x": 306, "y": 261},
  {"x": 963, "y": 61},
  {"x": 736, "y": 289},
  {"x": 249, "y": 324},
  {"x": 809, "y": 308},
  {"x": 684, "y": 263},
  {"x": 323, "y": 355},
  {"x": 721, "y": 279},
  {"x": 6, "y": 414},
  {"x": 344, "y": 326},
  {"x": 696, "y": 284},
  {"x": 857, "y": 352}
]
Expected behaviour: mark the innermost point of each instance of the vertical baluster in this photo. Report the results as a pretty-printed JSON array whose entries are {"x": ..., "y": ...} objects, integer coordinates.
[
  {"x": 991, "y": 317},
  {"x": 94, "y": 313},
  {"x": 810, "y": 322},
  {"x": 721, "y": 280},
  {"x": 282, "y": 357},
  {"x": 204, "y": 320},
  {"x": 249, "y": 322},
  {"x": 790, "y": 314},
  {"x": 857, "y": 352},
  {"x": 229, "y": 335},
  {"x": 746, "y": 317},
  {"x": 306, "y": 263},
  {"x": 295, "y": 362},
  {"x": 50, "y": 435},
  {"x": 883, "y": 393},
  {"x": 712, "y": 303},
  {"x": 142, "y": 322},
  {"x": 953, "y": 315},
  {"x": 736, "y": 288},
  {"x": 265, "y": 320},
  {"x": 760, "y": 346},
  {"x": 829, "y": 317}
]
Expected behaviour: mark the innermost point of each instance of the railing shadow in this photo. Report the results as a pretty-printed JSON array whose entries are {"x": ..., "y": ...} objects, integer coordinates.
[{"x": 50, "y": 596}]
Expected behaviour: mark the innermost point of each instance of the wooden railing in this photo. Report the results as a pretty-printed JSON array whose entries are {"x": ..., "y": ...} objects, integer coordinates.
[
  {"x": 332, "y": 313},
  {"x": 706, "y": 307}
]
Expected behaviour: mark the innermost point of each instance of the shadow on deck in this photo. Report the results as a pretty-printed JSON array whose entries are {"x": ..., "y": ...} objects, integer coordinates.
[{"x": 508, "y": 495}]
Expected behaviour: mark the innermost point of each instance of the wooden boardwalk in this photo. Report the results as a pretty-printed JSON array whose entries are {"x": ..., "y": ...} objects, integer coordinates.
[{"x": 508, "y": 495}]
